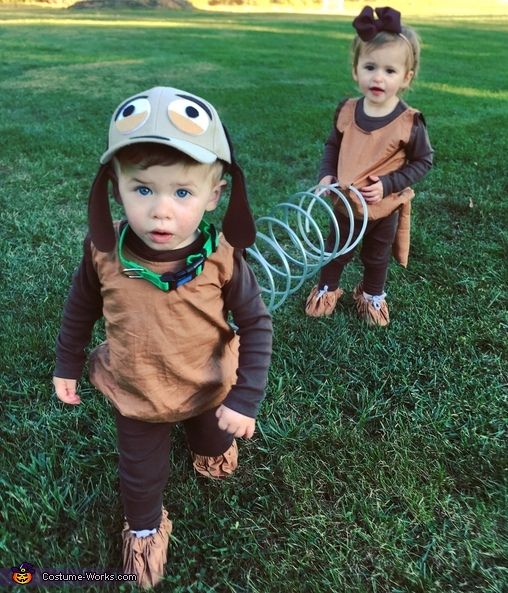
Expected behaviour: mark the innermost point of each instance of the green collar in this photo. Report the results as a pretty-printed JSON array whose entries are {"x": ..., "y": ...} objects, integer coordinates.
[{"x": 194, "y": 263}]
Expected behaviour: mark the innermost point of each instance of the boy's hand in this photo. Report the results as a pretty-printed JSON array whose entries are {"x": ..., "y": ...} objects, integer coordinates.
[
  {"x": 373, "y": 193},
  {"x": 65, "y": 390},
  {"x": 235, "y": 423}
]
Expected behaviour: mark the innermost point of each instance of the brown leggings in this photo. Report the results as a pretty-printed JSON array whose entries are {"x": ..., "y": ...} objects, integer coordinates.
[
  {"x": 143, "y": 464},
  {"x": 375, "y": 252}
]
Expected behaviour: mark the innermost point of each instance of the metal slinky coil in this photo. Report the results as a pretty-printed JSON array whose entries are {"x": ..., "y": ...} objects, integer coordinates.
[{"x": 290, "y": 241}]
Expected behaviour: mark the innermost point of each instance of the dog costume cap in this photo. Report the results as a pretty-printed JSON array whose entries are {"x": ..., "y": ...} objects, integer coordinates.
[{"x": 187, "y": 123}]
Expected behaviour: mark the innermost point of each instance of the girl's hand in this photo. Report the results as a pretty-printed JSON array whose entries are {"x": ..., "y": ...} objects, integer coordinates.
[
  {"x": 65, "y": 390},
  {"x": 373, "y": 193},
  {"x": 327, "y": 180},
  {"x": 235, "y": 423}
]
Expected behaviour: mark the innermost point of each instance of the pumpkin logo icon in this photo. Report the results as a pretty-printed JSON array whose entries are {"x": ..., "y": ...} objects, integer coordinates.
[{"x": 23, "y": 573}]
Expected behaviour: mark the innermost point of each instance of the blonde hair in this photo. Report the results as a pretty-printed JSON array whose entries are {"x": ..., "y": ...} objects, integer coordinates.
[{"x": 408, "y": 38}]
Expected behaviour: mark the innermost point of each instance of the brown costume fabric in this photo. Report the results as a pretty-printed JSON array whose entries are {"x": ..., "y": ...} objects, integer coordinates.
[
  {"x": 146, "y": 556},
  {"x": 220, "y": 466},
  {"x": 383, "y": 149},
  {"x": 322, "y": 305},
  {"x": 400, "y": 248},
  {"x": 367, "y": 311},
  {"x": 178, "y": 356}
]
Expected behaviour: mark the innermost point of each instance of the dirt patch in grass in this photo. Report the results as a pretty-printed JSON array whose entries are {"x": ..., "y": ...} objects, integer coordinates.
[{"x": 101, "y": 4}]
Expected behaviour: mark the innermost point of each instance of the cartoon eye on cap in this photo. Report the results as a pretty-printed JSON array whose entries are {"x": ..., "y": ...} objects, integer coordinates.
[
  {"x": 189, "y": 116},
  {"x": 132, "y": 115}
]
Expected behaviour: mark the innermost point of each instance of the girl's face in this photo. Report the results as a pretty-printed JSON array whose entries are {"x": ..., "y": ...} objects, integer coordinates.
[
  {"x": 165, "y": 204},
  {"x": 381, "y": 74}
]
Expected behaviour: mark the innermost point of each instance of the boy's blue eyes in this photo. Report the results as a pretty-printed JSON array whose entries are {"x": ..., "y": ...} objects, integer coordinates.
[{"x": 144, "y": 191}]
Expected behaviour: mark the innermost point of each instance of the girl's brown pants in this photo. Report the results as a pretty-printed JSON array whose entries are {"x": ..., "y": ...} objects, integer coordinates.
[{"x": 375, "y": 252}]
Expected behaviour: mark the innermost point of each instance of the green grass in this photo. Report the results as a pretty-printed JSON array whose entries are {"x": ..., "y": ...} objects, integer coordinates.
[{"x": 379, "y": 464}]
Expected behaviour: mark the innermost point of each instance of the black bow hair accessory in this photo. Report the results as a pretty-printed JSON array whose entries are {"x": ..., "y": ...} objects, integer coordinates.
[{"x": 367, "y": 26}]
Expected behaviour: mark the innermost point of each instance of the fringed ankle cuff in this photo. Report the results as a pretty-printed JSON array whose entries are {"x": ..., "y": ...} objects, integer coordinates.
[
  {"x": 322, "y": 302},
  {"x": 217, "y": 467},
  {"x": 372, "y": 309},
  {"x": 146, "y": 556}
]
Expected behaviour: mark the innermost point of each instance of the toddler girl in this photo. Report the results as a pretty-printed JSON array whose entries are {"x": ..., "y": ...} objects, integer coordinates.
[{"x": 379, "y": 145}]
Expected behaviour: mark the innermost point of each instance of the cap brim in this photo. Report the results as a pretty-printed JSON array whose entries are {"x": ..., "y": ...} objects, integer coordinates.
[{"x": 198, "y": 153}]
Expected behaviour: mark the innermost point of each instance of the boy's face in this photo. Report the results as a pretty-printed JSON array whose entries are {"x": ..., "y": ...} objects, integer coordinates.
[{"x": 164, "y": 204}]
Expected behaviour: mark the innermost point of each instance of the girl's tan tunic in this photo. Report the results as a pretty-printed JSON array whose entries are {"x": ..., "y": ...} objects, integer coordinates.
[{"x": 383, "y": 150}]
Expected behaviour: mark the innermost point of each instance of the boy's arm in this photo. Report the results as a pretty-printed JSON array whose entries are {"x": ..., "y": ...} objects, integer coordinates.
[
  {"x": 242, "y": 298},
  {"x": 419, "y": 156},
  {"x": 82, "y": 309}
]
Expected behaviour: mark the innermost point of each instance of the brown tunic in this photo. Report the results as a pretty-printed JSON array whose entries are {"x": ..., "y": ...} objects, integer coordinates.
[
  {"x": 382, "y": 151},
  {"x": 168, "y": 355}
]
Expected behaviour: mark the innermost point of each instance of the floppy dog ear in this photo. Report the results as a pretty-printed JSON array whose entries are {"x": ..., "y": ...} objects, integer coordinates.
[
  {"x": 99, "y": 214},
  {"x": 238, "y": 225},
  {"x": 114, "y": 186}
]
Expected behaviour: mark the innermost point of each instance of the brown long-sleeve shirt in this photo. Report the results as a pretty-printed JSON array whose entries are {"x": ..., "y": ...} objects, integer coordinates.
[
  {"x": 419, "y": 151},
  {"x": 84, "y": 307}
]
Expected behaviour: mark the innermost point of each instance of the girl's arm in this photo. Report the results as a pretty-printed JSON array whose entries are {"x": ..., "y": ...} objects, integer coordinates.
[
  {"x": 419, "y": 154},
  {"x": 330, "y": 158}
]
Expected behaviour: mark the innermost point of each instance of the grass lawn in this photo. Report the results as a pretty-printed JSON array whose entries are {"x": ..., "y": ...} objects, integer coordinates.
[{"x": 379, "y": 463}]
